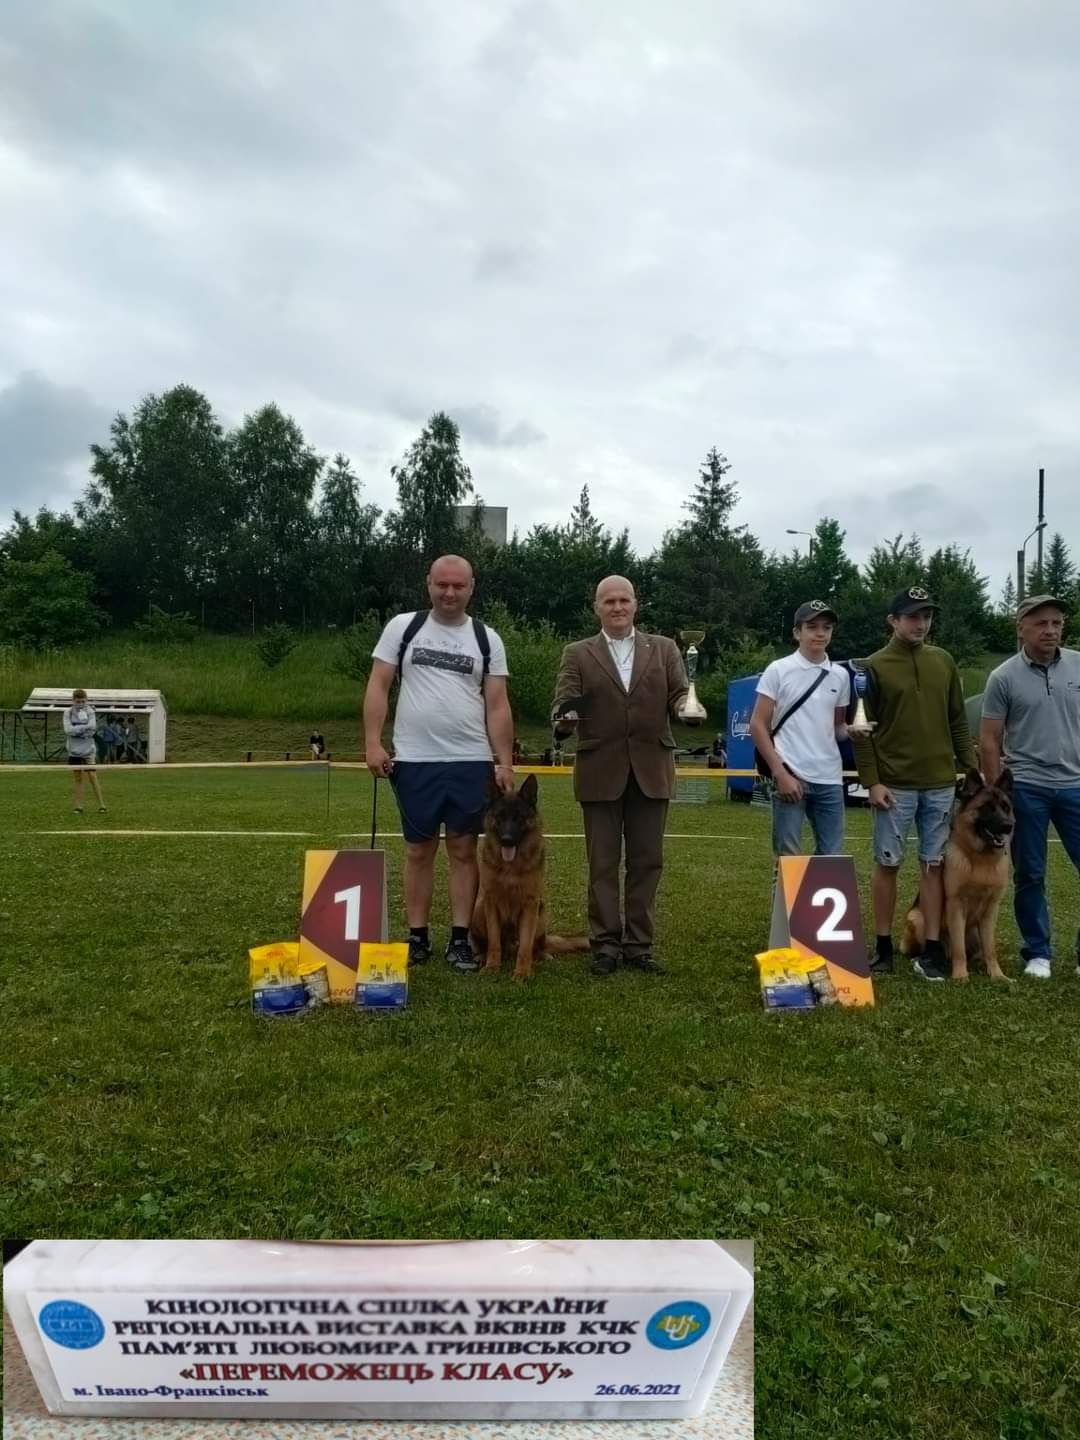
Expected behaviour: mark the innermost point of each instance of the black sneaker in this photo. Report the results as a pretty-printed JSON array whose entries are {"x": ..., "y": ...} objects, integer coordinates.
[
  {"x": 419, "y": 950},
  {"x": 929, "y": 967},
  {"x": 604, "y": 964},
  {"x": 459, "y": 954},
  {"x": 882, "y": 964},
  {"x": 642, "y": 962}
]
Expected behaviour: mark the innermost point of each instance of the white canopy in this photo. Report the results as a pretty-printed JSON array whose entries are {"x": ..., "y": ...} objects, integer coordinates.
[{"x": 48, "y": 699}]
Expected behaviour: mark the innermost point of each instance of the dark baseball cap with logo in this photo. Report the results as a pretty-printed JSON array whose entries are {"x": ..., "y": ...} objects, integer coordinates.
[
  {"x": 815, "y": 610},
  {"x": 912, "y": 599},
  {"x": 1036, "y": 602}
]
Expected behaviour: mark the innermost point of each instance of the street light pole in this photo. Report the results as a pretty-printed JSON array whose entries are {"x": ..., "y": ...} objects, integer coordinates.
[
  {"x": 810, "y": 537},
  {"x": 1021, "y": 560}
]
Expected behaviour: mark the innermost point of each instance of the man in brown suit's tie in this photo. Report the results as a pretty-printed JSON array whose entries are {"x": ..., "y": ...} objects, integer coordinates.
[{"x": 627, "y": 686}]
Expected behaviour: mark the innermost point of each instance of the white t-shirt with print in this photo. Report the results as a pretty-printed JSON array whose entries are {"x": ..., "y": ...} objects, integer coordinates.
[
  {"x": 807, "y": 743},
  {"x": 440, "y": 708}
]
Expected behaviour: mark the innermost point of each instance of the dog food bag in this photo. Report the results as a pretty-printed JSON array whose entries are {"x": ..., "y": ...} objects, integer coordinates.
[
  {"x": 277, "y": 987},
  {"x": 478, "y": 1329},
  {"x": 382, "y": 977},
  {"x": 786, "y": 980}
]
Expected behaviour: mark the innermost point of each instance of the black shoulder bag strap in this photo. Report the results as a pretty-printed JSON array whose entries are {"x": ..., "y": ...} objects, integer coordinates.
[{"x": 759, "y": 759}]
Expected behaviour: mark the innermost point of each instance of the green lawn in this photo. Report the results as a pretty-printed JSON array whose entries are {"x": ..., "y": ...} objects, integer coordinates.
[{"x": 911, "y": 1173}]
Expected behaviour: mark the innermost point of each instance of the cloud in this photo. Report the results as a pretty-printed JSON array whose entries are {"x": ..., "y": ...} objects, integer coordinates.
[
  {"x": 837, "y": 244},
  {"x": 45, "y": 435},
  {"x": 482, "y": 425}
]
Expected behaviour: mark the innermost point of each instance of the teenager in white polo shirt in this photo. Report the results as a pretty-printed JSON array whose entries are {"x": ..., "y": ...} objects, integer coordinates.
[{"x": 800, "y": 745}]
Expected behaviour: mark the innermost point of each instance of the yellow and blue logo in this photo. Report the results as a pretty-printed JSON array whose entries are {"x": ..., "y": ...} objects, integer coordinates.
[{"x": 678, "y": 1326}]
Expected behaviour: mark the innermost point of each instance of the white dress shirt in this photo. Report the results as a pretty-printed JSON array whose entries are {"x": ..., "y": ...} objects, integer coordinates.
[{"x": 622, "y": 652}]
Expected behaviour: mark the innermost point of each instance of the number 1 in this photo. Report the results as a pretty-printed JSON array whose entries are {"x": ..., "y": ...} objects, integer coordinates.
[{"x": 351, "y": 900}]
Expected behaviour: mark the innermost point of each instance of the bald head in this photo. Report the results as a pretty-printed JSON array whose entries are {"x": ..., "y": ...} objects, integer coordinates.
[
  {"x": 450, "y": 585},
  {"x": 615, "y": 606}
]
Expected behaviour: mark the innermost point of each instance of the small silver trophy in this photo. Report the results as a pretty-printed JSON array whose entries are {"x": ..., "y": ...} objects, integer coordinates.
[
  {"x": 861, "y": 724},
  {"x": 691, "y": 708}
]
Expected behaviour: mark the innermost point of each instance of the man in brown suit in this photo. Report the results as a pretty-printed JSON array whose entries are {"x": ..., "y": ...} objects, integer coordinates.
[{"x": 627, "y": 685}]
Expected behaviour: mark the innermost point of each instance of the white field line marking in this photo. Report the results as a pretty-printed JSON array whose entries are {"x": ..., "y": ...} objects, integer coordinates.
[
  {"x": 292, "y": 834},
  {"x": 396, "y": 834}
]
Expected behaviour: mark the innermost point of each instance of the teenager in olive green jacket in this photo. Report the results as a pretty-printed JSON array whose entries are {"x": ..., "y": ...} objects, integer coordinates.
[{"x": 909, "y": 765}]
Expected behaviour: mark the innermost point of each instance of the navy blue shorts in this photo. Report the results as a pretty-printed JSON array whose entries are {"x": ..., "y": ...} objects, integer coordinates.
[{"x": 431, "y": 793}]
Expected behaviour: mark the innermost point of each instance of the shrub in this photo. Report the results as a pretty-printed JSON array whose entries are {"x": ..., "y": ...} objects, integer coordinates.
[
  {"x": 163, "y": 627},
  {"x": 353, "y": 657},
  {"x": 274, "y": 644}
]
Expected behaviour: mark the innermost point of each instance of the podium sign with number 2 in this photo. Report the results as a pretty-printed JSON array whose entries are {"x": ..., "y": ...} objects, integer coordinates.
[
  {"x": 816, "y": 911},
  {"x": 344, "y": 904}
]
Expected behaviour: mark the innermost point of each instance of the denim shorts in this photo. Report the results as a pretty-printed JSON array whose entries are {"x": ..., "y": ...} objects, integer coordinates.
[{"x": 931, "y": 810}]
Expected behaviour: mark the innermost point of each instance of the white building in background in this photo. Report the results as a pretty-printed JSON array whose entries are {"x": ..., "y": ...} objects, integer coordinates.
[{"x": 493, "y": 521}]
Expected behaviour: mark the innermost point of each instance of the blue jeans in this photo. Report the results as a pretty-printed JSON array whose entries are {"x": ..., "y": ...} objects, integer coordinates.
[
  {"x": 823, "y": 806},
  {"x": 1035, "y": 808}
]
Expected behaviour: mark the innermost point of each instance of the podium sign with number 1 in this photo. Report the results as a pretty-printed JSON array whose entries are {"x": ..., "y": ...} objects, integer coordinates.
[
  {"x": 816, "y": 912},
  {"x": 344, "y": 906}
]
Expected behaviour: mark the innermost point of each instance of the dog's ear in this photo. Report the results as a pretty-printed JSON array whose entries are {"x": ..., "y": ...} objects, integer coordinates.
[
  {"x": 973, "y": 783},
  {"x": 528, "y": 791},
  {"x": 1005, "y": 780}
]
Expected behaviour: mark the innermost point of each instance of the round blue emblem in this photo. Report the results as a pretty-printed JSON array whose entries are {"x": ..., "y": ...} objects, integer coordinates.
[
  {"x": 72, "y": 1325},
  {"x": 677, "y": 1326}
]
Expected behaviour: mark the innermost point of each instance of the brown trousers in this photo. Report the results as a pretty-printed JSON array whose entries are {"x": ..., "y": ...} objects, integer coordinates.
[{"x": 638, "y": 821}]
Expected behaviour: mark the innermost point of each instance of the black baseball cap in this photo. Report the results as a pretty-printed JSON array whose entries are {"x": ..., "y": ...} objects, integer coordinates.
[
  {"x": 914, "y": 598},
  {"x": 815, "y": 610}
]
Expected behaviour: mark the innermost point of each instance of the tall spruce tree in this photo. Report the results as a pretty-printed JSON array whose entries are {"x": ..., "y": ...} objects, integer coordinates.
[
  {"x": 348, "y": 579},
  {"x": 431, "y": 480},
  {"x": 1059, "y": 572}
]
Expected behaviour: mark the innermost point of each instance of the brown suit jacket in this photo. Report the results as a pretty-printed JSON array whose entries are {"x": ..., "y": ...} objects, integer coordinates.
[{"x": 624, "y": 730}]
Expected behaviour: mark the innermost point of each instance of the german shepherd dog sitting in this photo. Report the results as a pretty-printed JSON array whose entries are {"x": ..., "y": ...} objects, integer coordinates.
[
  {"x": 976, "y": 876},
  {"x": 509, "y": 909}
]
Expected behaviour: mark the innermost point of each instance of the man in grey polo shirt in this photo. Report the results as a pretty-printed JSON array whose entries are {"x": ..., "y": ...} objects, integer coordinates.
[{"x": 1031, "y": 713}]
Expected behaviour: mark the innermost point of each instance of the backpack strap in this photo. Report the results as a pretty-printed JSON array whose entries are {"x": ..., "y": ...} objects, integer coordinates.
[
  {"x": 416, "y": 624},
  {"x": 413, "y": 628},
  {"x": 480, "y": 631}
]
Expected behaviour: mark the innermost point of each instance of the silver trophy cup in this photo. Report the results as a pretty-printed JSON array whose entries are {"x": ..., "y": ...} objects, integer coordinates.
[{"x": 691, "y": 708}]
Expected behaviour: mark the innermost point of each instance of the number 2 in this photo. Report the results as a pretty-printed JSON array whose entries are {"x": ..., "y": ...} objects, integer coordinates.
[
  {"x": 351, "y": 900},
  {"x": 838, "y": 900}
]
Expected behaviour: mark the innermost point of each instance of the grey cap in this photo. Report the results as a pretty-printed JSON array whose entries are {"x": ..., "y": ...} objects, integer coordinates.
[
  {"x": 814, "y": 610},
  {"x": 1036, "y": 602}
]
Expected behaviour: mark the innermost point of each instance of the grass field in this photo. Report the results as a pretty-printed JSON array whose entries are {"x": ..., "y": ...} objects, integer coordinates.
[{"x": 911, "y": 1174}]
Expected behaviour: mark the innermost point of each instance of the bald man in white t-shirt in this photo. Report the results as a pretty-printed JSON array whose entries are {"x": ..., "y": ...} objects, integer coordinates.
[{"x": 453, "y": 714}]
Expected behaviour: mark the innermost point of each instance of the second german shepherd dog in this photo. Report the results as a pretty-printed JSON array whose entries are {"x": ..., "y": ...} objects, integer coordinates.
[
  {"x": 509, "y": 909},
  {"x": 976, "y": 876}
]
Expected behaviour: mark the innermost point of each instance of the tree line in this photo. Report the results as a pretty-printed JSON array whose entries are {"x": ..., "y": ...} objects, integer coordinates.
[{"x": 186, "y": 526}]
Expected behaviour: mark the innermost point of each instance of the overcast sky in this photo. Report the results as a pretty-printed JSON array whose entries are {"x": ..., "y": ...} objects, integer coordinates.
[{"x": 838, "y": 241}]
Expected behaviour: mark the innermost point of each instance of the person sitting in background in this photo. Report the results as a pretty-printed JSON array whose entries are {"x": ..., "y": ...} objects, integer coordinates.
[{"x": 318, "y": 745}]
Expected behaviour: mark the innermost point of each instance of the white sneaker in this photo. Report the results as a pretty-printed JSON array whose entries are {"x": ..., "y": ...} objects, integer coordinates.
[{"x": 1038, "y": 968}]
